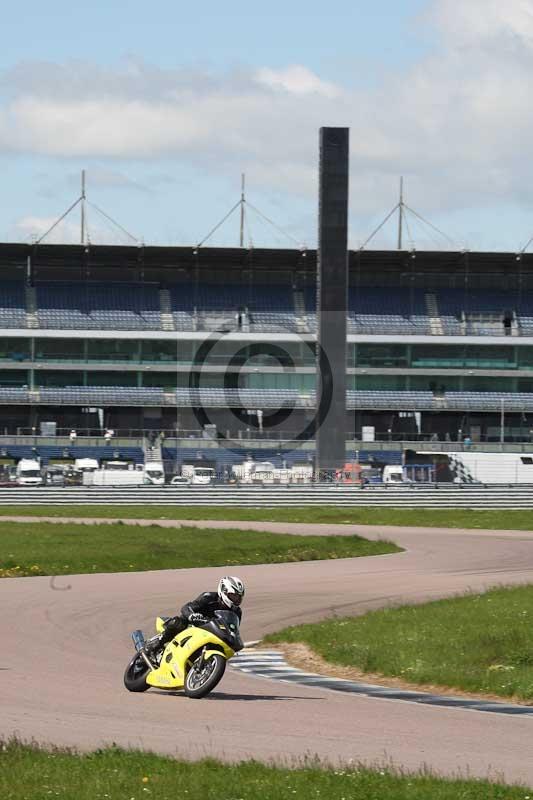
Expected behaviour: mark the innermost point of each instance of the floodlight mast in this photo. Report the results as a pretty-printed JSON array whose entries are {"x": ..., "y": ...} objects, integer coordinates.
[
  {"x": 400, "y": 215},
  {"x": 243, "y": 201},
  {"x": 244, "y": 205},
  {"x": 82, "y": 199},
  {"x": 402, "y": 208},
  {"x": 83, "y": 202}
]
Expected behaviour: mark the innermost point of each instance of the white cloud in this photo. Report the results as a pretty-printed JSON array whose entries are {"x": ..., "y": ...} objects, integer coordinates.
[
  {"x": 68, "y": 231},
  {"x": 479, "y": 21},
  {"x": 31, "y": 228},
  {"x": 457, "y": 124},
  {"x": 296, "y": 80},
  {"x": 105, "y": 178}
]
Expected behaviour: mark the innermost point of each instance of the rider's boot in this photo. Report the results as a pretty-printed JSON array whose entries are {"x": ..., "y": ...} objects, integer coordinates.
[{"x": 153, "y": 646}]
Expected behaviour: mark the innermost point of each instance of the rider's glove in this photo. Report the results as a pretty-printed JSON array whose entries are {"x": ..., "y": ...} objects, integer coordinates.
[{"x": 197, "y": 619}]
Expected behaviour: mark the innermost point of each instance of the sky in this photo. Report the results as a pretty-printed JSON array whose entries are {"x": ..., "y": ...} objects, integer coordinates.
[{"x": 166, "y": 104}]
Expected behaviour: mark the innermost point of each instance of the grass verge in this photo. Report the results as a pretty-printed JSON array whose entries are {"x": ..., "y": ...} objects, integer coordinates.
[
  {"x": 480, "y": 643},
  {"x": 45, "y": 548},
  {"x": 33, "y": 773},
  {"x": 425, "y": 517}
]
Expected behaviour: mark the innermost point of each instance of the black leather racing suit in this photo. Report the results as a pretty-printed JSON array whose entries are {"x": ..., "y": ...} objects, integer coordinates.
[{"x": 206, "y": 604}]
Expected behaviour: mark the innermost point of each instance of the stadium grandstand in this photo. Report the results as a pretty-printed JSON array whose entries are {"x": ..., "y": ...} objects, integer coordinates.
[{"x": 218, "y": 345}]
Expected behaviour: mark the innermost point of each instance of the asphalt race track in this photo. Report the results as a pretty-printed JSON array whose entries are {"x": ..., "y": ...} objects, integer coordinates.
[{"x": 65, "y": 644}]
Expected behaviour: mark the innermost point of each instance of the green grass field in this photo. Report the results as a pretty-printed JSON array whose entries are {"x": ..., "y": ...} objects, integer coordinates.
[
  {"x": 425, "y": 517},
  {"x": 32, "y": 773},
  {"x": 477, "y": 643},
  {"x": 44, "y": 548}
]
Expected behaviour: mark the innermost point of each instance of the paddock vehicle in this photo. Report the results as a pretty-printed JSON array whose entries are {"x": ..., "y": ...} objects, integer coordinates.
[
  {"x": 195, "y": 660},
  {"x": 198, "y": 476},
  {"x": 179, "y": 480},
  {"x": 29, "y": 472},
  {"x": 55, "y": 475},
  {"x": 264, "y": 472},
  {"x": 394, "y": 475},
  {"x": 122, "y": 473},
  {"x": 85, "y": 464},
  {"x": 153, "y": 473},
  {"x": 114, "y": 473},
  {"x": 359, "y": 474}
]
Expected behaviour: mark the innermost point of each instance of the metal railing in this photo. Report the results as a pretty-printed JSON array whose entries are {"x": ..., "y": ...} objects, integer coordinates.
[
  {"x": 435, "y": 496},
  {"x": 134, "y": 437}
]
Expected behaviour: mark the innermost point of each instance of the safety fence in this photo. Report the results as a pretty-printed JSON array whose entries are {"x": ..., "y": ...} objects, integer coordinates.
[{"x": 428, "y": 496}]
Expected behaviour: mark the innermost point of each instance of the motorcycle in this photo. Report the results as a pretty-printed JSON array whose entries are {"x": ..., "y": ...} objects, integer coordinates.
[{"x": 194, "y": 660}]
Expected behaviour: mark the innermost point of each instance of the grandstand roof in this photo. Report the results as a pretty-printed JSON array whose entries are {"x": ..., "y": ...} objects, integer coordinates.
[{"x": 148, "y": 263}]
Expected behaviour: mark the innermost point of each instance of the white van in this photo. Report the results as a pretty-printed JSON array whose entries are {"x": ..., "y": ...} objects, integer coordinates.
[
  {"x": 29, "y": 472},
  {"x": 85, "y": 464},
  {"x": 198, "y": 476},
  {"x": 154, "y": 474},
  {"x": 393, "y": 475}
]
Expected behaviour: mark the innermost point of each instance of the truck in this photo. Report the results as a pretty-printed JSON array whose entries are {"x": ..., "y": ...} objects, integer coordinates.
[
  {"x": 254, "y": 472},
  {"x": 29, "y": 472},
  {"x": 198, "y": 476},
  {"x": 85, "y": 464},
  {"x": 393, "y": 474},
  {"x": 301, "y": 473},
  {"x": 154, "y": 474},
  {"x": 350, "y": 473},
  {"x": 122, "y": 473},
  {"x": 368, "y": 475},
  {"x": 264, "y": 473}
]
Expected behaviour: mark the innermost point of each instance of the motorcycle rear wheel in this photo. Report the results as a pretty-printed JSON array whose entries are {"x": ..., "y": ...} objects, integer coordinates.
[
  {"x": 204, "y": 675},
  {"x": 135, "y": 674}
]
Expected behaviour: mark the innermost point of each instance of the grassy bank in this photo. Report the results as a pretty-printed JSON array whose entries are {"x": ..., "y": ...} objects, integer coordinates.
[
  {"x": 45, "y": 548},
  {"x": 477, "y": 643},
  {"x": 32, "y": 773},
  {"x": 425, "y": 517}
]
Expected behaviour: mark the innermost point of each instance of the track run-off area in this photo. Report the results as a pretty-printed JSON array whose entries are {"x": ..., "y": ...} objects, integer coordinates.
[{"x": 66, "y": 642}]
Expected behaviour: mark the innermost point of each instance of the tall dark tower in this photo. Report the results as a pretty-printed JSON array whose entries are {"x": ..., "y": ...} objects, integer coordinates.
[{"x": 332, "y": 298}]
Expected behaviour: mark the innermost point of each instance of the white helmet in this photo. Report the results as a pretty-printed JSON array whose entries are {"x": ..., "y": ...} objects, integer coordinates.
[{"x": 231, "y": 591}]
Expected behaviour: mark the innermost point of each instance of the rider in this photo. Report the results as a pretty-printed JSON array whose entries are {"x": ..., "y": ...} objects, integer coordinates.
[{"x": 229, "y": 595}]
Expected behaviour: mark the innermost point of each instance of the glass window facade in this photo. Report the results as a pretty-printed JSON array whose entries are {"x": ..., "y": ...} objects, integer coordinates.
[
  {"x": 525, "y": 357},
  {"x": 165, "y": 380},
  {"x": 478, "y": 383},
  {"x": 381, "y": 355},
  {"x": 59, "y": 350},
  {"x": 113, "y": 350},
  {"x": 111, "y": 378},
  {"x": 460, "y": 356},
  {"x": 288, "y": 380},
  {"x": 366, "y": 357},
  {"x": 14, "y": 378},
  {"x": 157, "y": 352},
  {"x": 58, "y": 378},
  {"x": 363, "y": 354},
  {"x": 12, "y": 349},
  {"x": 389, "y": 382}
]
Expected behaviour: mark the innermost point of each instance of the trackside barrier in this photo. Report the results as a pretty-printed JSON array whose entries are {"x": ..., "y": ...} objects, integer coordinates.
[{"x": 445, "y": 496}]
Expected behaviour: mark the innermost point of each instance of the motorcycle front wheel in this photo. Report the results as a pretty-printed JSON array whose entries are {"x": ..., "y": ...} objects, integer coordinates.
[
  {"x": 204, "y": 675},
  {"x": 135, "y": 675}
]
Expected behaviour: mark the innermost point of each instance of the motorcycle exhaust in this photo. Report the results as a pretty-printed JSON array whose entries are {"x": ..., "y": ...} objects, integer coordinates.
[{"x": 138, "y": 640}]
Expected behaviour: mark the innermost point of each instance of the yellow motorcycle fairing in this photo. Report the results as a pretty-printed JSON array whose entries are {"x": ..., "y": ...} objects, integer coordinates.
[
  {"x": 160, "y": 624},
  {"x": 177, "y": 656}
]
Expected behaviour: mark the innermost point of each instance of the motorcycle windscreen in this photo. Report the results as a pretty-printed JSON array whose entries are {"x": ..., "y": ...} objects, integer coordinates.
[{"x": 229, "y": 625}]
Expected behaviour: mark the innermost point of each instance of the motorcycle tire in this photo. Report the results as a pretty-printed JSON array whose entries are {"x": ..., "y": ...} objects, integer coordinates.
[
  {"x": 135, "y": 678},
  {"x": 215, "y": 666}
]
